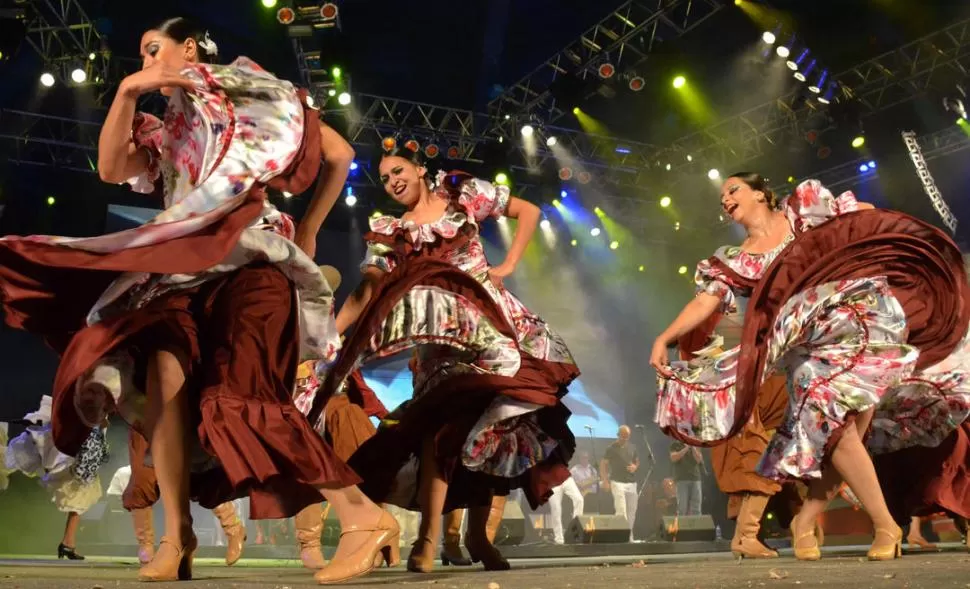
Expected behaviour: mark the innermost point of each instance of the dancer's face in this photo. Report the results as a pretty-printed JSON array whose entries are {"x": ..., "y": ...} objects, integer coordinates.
[
  {"x": 738, "y": 200},
  {"x": 402, "y": 179},
  {"x": 159, "y": 48}
]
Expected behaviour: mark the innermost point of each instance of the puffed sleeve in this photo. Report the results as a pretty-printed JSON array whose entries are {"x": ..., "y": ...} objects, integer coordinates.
[
  {"x": 481, "y": 199},
  {"x": 813, "y": 204},
  {"x": 146, "y": 133},
  {"x": 378, "y": 256},
  {"x": 709, "y": 280}
]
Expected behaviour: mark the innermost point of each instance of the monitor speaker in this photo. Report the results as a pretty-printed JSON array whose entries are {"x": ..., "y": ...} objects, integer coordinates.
[
  {"x": 511, "y": 531},
  {"x": 598, "y": 529},
  {"x": 688, "y": 528}
]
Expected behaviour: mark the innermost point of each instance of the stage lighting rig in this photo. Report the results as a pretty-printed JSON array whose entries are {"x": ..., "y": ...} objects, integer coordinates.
[{"x": 957, "y": 105}]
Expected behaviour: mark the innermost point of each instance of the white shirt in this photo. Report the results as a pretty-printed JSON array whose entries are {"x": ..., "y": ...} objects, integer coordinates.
[
  {"x": 119, "y": 481},
  {"x": 584, "y": 474}
]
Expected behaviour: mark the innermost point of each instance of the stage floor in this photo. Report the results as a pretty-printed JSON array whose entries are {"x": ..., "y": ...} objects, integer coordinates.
[{"x": 842, "y": 567}]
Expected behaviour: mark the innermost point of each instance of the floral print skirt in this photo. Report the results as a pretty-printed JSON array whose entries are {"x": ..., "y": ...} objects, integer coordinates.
[{"x": 842, "y": 346}]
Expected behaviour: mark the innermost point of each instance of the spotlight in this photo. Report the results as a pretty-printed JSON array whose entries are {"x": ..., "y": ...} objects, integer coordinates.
[
  {"x": 955, "y": 106},
  {"x": 332, "y": 92},
  {"x": 817, "y": 87},
  {"x": 680, "y": 82},
  {"x": 714, "y": 174},
  {"x": 783, "y": 51},
  {"x": 682, "y": 270},
  {"x": 528, "y": 130},
  {"x": 285, "y": 15},
  {"x": 858, "y": 141},
  {"x": 794, "y": 64},
  {"x": 556, "y": 203},
  {"x": 47, "y": 79},
  {"x": 336, "y": 72},
  {"x": 641, "y": 269},
  {"x": 864, "y": 168},
  {"x": 690, "y": 158},
  {"x": 92, "y": 56},
  {"x": 344, "y": 98},
  {"x": 79, "y": 75},
  {"x": 50, "y": 201},
  {"x": 665, "y": 202},
  {"x": 431, "y": 151},
  {"x": 637, "y": 83},
  {"x": 584, "y": 177},
  {"x": 563, "y": 194},
  {"x": 453, "y": 152},
  {"x": 350, "y": 200},
  {"x": 412, "y": 145},
  {"x": 802, "y": 75},
  {"x": 574, "y": 243},
  {"x": 551, "y": 141},
  {"x": 606, "y": 71},
  {"x": 768, "y": 37},
  {"x": 667, "y": 167},
  {"x": 565, "y": 173},
  {"x": 329, "y": 11},
  {"x": 872, "y": 165},
  {"x": 389, "y": 143},
  {"x": 269, "y": 3},
  {"x": 829, "y": 94},
  {"x": 353, "y": 166},
  {"x": 502, "y": 178},
  {"x": 545, "y": 224},
  {"x": 595, "y": 231},
  {"x": 376, "y": 214},
  {"x": 614, "y": 245}
]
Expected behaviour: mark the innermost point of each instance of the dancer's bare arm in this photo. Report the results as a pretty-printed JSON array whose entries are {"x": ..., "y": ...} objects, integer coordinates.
[
  {"x": 695, "y": 312},
  {"x": 527, "y": 215},
  {"x": 357, "y": 301},
  {"x": 337, "y": 156}
]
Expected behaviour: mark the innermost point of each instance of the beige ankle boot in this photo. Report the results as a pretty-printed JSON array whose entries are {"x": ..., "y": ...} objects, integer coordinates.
[
  {"x": 234, "y": 529},
  {"x": 309, "y": 527},
  {"x": 144, "y": 534},
  {"x": 745, "y": 543}
]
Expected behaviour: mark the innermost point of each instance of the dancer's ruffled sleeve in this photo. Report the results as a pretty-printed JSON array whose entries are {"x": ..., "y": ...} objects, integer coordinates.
[
  {"x": 813, "y": 204},
  {"x": 708, "y": 279},
  {"x": 146, "y": 133},
  {"x": 379, "y": 255},
  {"x": 480, "y": 199}
]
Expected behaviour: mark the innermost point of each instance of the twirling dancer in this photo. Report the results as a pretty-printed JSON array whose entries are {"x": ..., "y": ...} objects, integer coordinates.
[
  {"x": 863, "y": 309},
  {"x": 74, "y": 484},
  {"x": 209, "y": 307},
  {"x": 485, "y": 416}
]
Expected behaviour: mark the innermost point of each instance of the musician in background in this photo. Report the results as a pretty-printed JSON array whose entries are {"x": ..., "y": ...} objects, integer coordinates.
[
  {"x": 585, "y": 475},
  {"x": 571, "y": 490},
  {"x": 618, "y": 474},
  {"x": 688, "y": 462}
]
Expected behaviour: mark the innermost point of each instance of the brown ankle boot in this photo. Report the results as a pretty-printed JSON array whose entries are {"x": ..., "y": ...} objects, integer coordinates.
[
  {"x": 144, "y": 534},
  {"x": 234, "y": 529},
  {"x": 745, "y": 543},
  {"x": 483, "y": 524},
  {"x": 309, "y": 526},
  {"x": 451, "y": 546}
]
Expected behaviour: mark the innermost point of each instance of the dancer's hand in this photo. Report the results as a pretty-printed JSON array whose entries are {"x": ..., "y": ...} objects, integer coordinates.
[
  {"x": 658, "y": 355},
  {"x": 152, "y": 78},
  {"x": 497, "y": 273}
]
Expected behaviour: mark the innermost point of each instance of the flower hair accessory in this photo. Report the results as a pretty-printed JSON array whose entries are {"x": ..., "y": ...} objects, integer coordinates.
[{"x": 208, "y": 45}]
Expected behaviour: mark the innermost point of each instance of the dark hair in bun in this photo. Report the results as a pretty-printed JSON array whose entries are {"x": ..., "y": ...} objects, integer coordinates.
[
  {"x": 759, "y": 183},
  {"x": 179, "y": 29}
]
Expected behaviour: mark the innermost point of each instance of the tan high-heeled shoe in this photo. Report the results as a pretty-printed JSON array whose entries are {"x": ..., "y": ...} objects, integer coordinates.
[
  {"x": 421, "y": 559},
  {"x": 384, "y": 540},
  {"x": 889, "y": 550},
  {"x": 811, "y": 552},
  {"x": 166, "y": 566}
]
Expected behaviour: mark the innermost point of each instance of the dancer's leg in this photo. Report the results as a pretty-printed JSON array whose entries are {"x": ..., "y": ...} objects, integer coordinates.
[
  {"x": 432, "y": 489},
  {"x": 70, "y": 530},
  {"x": 167, "y": 430}
]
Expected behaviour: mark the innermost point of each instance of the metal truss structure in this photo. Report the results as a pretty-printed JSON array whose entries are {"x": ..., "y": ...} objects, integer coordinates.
[
  {"x": 65, "y": 38},
  {"x": 940, "y": 58},
  {"x": 624, "y": 38},
  {"x": 926, "y": 179},
  {"x": 33, "y": 139}
]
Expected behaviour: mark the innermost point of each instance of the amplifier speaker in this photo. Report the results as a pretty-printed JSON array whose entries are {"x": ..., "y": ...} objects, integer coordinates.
[
  {"x": 598, "y": 529},
  {"x": 512, "y": 530},
  {"x": 688, "y": 528}
]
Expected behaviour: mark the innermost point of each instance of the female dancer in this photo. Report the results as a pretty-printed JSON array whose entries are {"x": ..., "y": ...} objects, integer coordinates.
[
  {"x": 208, "y": 308},
  {"x": 74, "y": 484},
  {"x": 856, "y": 333},
  {"x": 485, "y": 416}
]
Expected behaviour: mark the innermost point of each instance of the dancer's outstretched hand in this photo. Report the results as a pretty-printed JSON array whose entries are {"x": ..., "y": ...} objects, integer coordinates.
[
  {"x": 154, "y": 77},
  {"x": 658, "y": 356},
  {"x": 497, "y": 273}
]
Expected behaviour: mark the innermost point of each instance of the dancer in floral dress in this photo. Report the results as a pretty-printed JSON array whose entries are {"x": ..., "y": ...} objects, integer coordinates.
[
  {"x": 866, "y": 311},
  {"x": 73, "y": 483},
  {"x": 196, "y": 322},
  {"x": 485, "y": 416}
]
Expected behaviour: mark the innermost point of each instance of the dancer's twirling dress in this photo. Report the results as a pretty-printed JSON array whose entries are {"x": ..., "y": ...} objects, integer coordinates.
[
  {"x": 74, "y": 484},
  {"x": 860, "y": 309},
  {"x": 490, "y": 373},
  {"x": 215, "y": 276}
]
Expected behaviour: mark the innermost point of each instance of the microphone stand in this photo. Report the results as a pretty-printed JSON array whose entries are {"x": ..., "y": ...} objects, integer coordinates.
[{"x": 645, "y": 483}]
